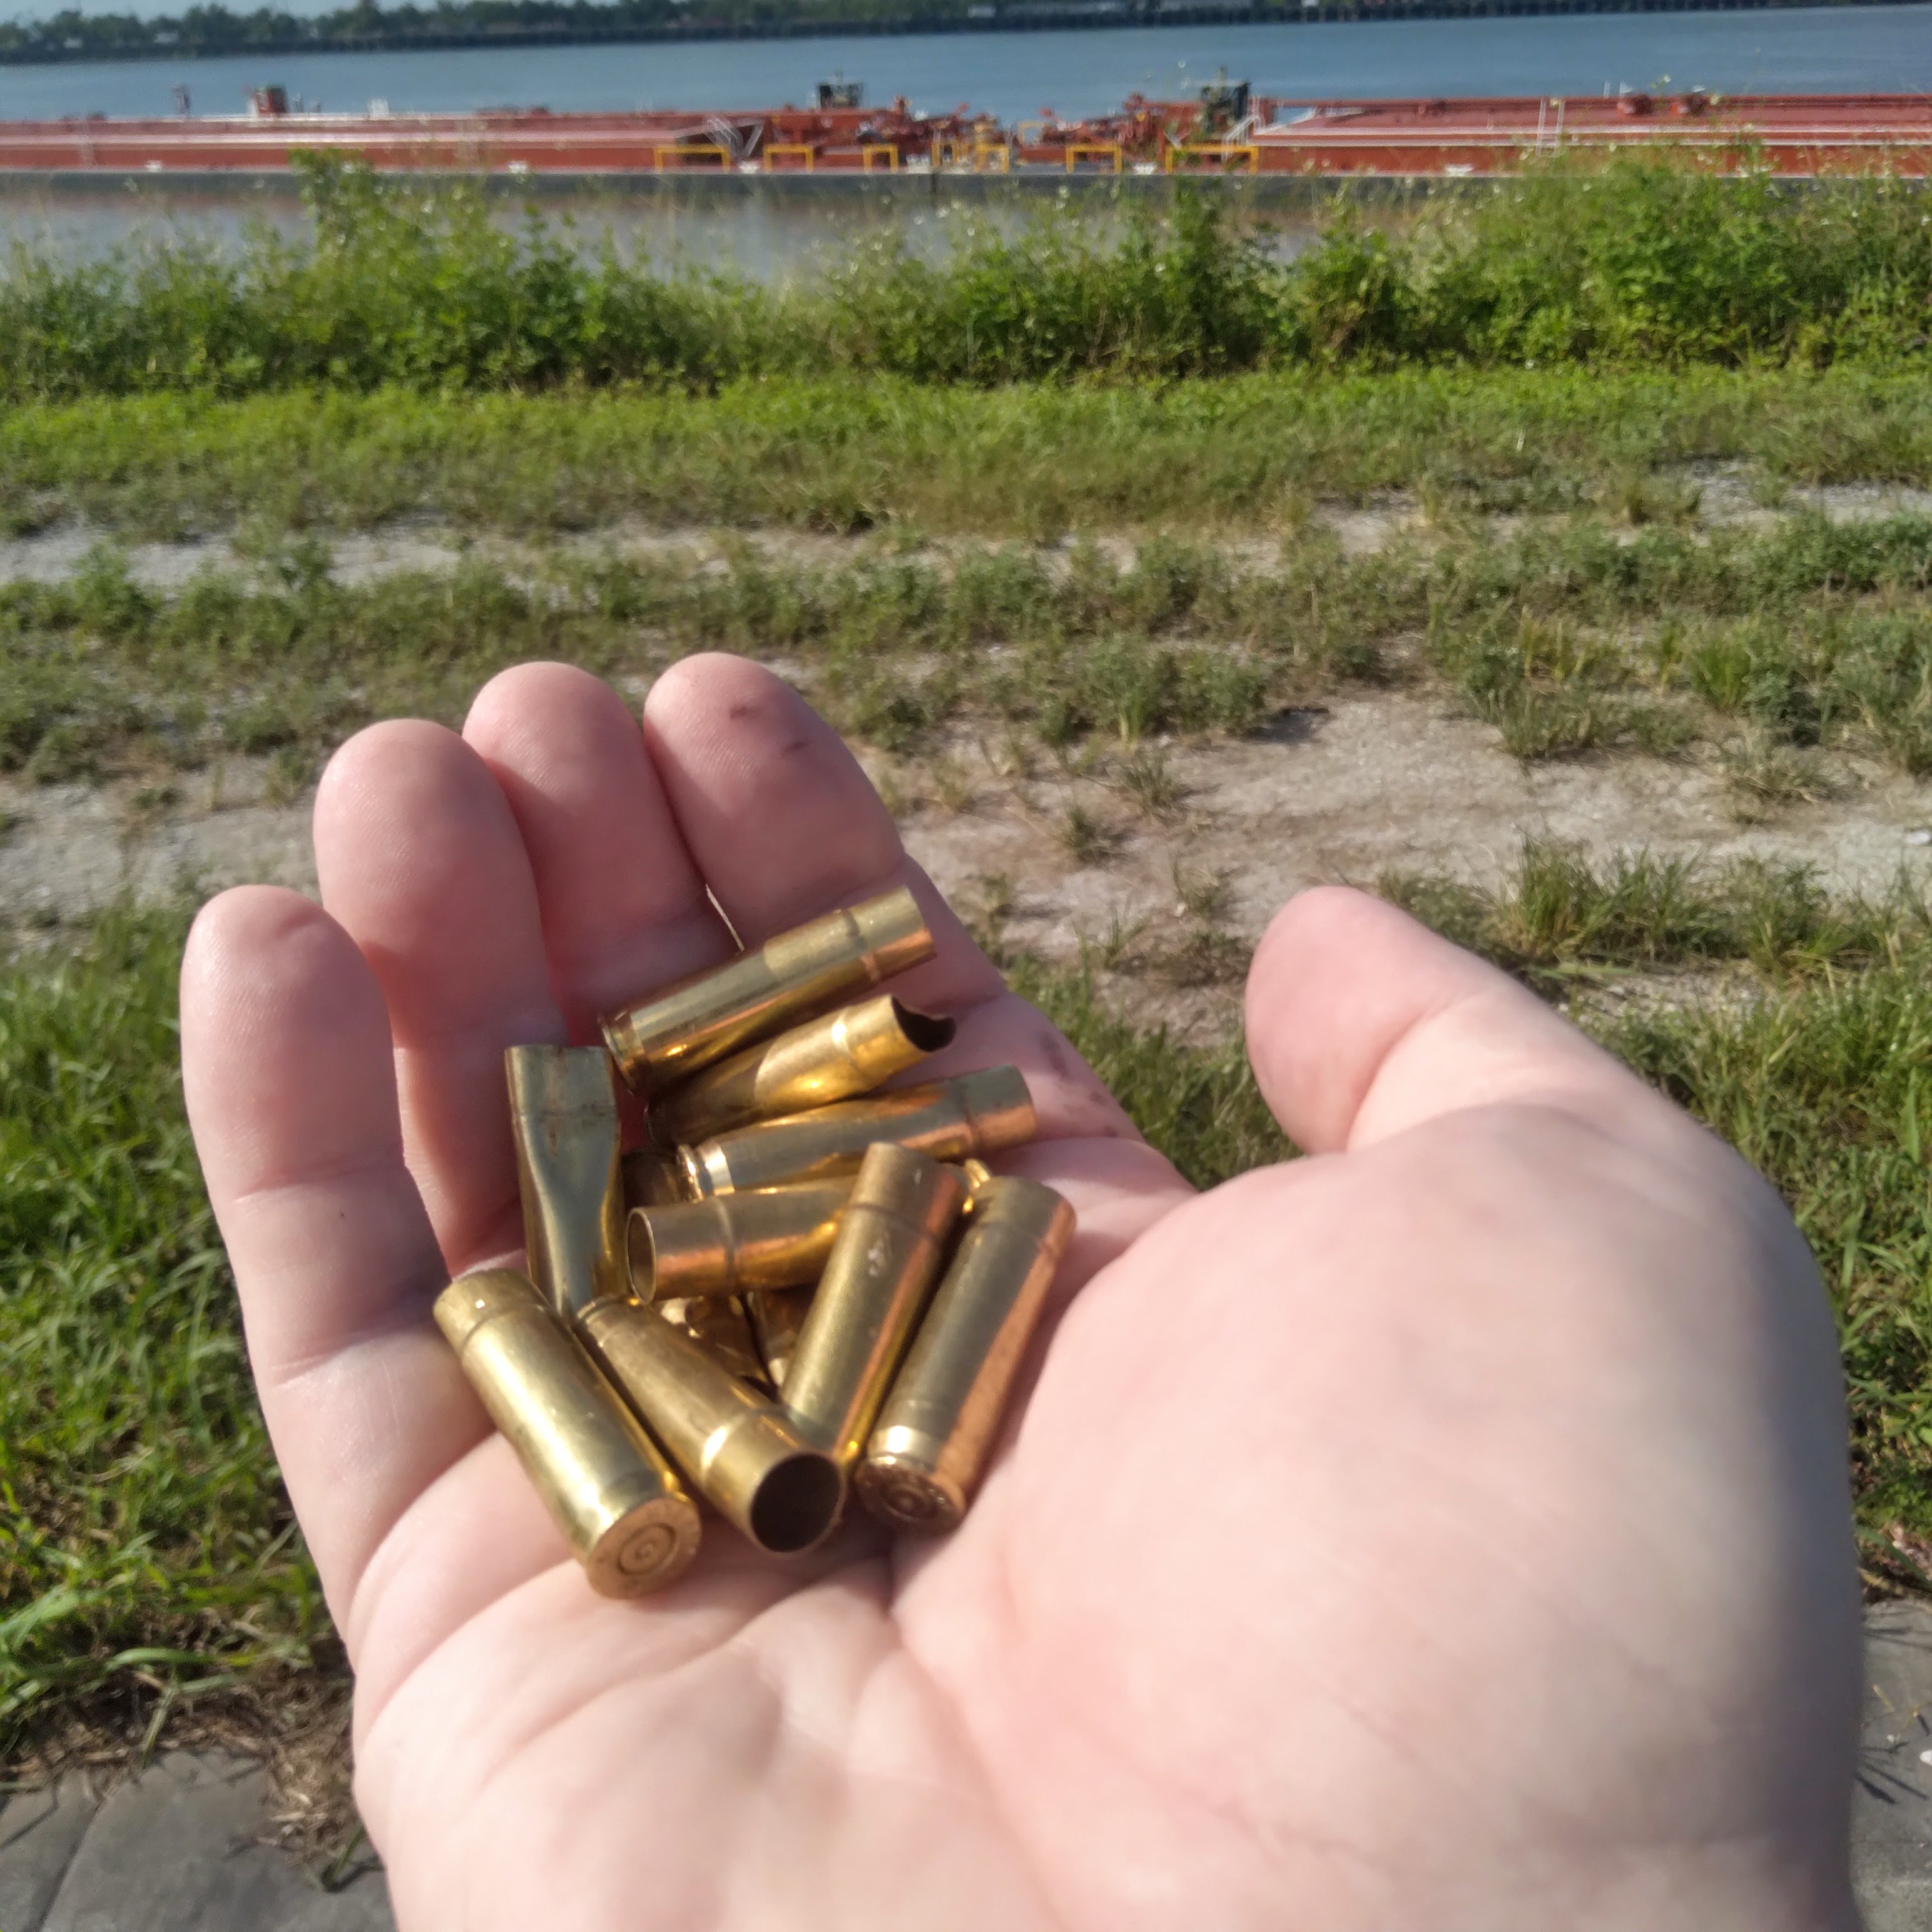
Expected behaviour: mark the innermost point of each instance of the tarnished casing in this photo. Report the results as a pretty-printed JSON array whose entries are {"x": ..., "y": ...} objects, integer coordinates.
[
  {"x": 718, "y": 1324},
  {"x": 767, "y": 1238},
  {"x": 798, "y": 974},
  {"x": 971, "y": 1113},
  {"x": 653, "y": 1178},
  {"x": 744, "y": 1453},
  {"x": 932, "y": 1438},
  {"x": 563, "y": 1113},
  {"x": 846, "y": 1053},
  {"x": 778, "y": 1319},
  {"x": 627, "y": 1518},
  {"x": 888, "y": 1249}
]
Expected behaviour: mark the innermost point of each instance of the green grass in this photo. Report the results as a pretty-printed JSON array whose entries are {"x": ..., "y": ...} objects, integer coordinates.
[
  {"x": 99, "y": 676},
  {"x": 1032, "y": 461},
  {"x": 146, "y": 1550},
  {"x": 148, "y": 1557},
  {"x": 1765, "y": 647},
  {"x": 1633, "y": 261},
  {"x": 1559, "y": 918},
  {"x": 1825, "y": 1088}
]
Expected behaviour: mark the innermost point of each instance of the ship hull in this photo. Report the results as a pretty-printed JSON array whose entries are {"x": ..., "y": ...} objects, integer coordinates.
[{"x": 1795, "y": 136}]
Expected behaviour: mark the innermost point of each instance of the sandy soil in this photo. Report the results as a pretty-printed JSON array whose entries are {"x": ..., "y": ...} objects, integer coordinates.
[
  {"x": 1387, "y": 781},
  {"x": 1065, "y": 852},
  {"x": 1713, "y": 495}
]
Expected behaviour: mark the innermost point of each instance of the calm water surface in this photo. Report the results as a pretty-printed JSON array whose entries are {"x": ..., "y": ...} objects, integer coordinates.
[
  {"x": 770, "y": 236},
  {"x": 1823, "y": 49}
]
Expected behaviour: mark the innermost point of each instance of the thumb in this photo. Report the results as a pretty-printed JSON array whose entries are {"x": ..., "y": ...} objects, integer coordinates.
[{"x": 1362, "y": 1024}]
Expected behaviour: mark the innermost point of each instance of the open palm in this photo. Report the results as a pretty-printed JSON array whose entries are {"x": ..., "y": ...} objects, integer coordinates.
[{"x": 1445, "y": 1531}]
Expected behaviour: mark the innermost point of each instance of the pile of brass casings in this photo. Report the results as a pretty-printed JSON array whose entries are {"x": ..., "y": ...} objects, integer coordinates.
[{"x": 802, "y": 1288}]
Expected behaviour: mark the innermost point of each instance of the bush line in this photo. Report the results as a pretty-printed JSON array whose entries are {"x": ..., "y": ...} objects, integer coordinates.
[{"x": 1637, "y": 261}]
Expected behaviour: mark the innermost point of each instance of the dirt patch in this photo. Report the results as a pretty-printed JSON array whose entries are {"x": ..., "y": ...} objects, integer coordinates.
[
  {"x": 1703, "y": 495},
  {"x": 1345, "y": 791},
  {"x": 1735, "y": 494},
  {"x": 1162, "y": 861},
  {"x": 424, "y": 545},
  {"x": 68, "y": 850},
  {"x": 1073, "y": 862}
]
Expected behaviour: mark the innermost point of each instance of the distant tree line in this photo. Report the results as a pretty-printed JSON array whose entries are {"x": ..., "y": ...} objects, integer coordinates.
[{"x": 365, "y": 26}]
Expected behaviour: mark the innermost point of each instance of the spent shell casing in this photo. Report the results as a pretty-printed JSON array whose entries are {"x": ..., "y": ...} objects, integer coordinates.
[
  {"x": 929, "y": 1446},
  {"x": 563, "y": 1112},
  {"x": 845, "y": 1053},
  {"x": 718, "y": 1324},
  {"x": 778, "y": 1319},
  {"x": 654, "y": 1178},
  {"x": 618, "y": 1503},
  {"x": 949, "y": 1120},
  {"x": 887, "y": 1250},
  {"x": 767, "y": 1238},
  {"x": 741, "y": 1449},
  {"x": 793, "y": 977}
]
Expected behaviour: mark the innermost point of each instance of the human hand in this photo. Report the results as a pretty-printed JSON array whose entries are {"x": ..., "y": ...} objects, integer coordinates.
[{"x": 1444, "y": 1530}]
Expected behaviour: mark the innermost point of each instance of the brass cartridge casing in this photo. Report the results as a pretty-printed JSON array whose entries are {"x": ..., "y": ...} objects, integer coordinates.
[
  {"x": 768, "y": 1238},
  {"x": 718, "y": 1324},
  {"x": 971, "y": 1113},
  {"x": 739, "y": 1448},
  {"x": 793, "y": 977},
  {"x": 613, "y": 1496},
  {"x": 778, "y": 1319},
  {"x": 846, "y": 1053},
  {"x": 564, "y": 1114},
  {"x": 653, "y": 1178},
  {"x": 931, "y": 1443},
  {"x": 883, "y": 1261}
]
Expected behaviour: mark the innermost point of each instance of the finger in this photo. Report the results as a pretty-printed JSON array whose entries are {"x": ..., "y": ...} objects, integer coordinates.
[
  {"x": 1361, "y": 1023},
  {"x": 784, "y": 825},
  {"x": 622, "y": 905},
  {"x": 421, "y": 862},
  {"x": 291, "y": 1092},
  {"x": 780, "y": 820}
]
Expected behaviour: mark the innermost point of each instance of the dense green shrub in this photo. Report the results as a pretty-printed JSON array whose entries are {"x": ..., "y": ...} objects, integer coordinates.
[{"x": 1635, "y": 262}]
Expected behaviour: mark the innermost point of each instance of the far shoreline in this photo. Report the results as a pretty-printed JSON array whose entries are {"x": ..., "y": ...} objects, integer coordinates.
[{"x": 1030, "y": 16}]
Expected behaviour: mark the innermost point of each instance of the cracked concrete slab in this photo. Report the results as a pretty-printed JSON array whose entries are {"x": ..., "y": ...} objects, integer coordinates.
[
  {"x": 1891, "y": 1807},
  {"x": 39, "y": 1833},
  {"x": 180, "y": 1848}
]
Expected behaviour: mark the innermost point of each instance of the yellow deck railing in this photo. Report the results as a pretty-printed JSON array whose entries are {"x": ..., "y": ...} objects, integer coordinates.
[
  {"x": 1226, "y": 154},
  {"x": 1108, "y": 151},
  {"x": 981, "y": 156}
]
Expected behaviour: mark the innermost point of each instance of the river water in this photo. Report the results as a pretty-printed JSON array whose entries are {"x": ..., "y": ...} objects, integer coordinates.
[
  {"x": 1825, "y": 49},
  {"x": 1814, "y": 49}
]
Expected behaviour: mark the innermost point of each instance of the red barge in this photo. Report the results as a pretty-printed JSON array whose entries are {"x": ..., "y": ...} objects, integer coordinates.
[{"x": 1227, "y": 130}]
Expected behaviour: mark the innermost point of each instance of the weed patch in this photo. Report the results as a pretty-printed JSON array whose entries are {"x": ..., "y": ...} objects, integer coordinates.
[
  {"x": 1030, "y": 460},
  {"x": 149, "y": 1550},
  {"x": 1636, "y": 261},
  {"x": 1769, "y": 646}
]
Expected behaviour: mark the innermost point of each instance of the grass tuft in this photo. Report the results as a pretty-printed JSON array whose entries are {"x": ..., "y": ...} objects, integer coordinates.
[
  {"x": 149, "y": 1552},
  {"x": 1560, "y": 916}
]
